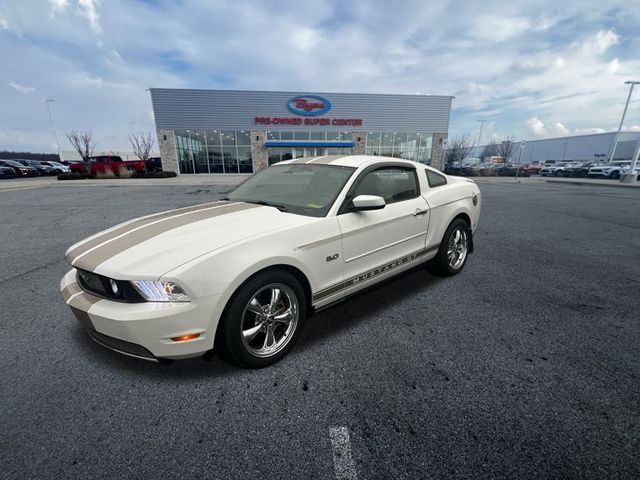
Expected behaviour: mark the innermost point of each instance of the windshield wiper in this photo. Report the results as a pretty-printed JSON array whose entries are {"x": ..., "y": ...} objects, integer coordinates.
[{"x": 282, "y": 208}]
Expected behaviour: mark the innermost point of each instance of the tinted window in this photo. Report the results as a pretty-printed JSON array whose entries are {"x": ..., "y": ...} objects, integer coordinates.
[
  {"x": 297, "y": 188},
  {"x": 435, "y": 179},
  {"x": 394, "y": 184}
]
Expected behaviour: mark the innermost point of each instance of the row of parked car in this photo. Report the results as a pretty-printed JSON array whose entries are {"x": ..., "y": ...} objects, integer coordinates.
[
  {"x": 30, "y": 168},
  {"x": 101, "y": 164},
  {"x": 591, "y": 169}
]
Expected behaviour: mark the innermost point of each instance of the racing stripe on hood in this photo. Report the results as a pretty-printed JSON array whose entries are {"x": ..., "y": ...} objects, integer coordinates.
[
  {"x": 90, "y": 260},
  {"x": 84, "y": 247}
]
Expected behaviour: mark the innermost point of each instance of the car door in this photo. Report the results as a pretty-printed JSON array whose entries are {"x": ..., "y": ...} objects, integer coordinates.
[{"x": 374, "y": 242}]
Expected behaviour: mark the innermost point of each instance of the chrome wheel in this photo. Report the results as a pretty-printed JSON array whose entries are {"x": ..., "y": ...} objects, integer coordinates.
[
  {"x": 269, "y": 320},
  {"x": 457, "y": 248}
]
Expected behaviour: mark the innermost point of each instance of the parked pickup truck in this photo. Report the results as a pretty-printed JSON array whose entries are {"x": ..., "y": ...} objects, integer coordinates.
[{"x": 108, "y": 164}]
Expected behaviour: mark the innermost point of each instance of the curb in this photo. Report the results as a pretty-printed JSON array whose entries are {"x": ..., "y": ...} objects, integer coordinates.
[{"x": 598, "y": 184}]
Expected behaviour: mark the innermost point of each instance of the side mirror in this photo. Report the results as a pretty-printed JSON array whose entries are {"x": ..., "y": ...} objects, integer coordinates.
[{"x": 368, "y": 202}]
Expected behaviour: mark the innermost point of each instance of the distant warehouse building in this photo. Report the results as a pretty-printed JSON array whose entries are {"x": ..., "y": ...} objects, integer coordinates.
[
  {"x": 242, "y": 132},
  {"x": 576, "y": 148}
]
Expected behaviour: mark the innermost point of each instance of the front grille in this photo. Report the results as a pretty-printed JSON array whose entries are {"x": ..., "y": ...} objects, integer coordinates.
[{"x": 101, "y": 286}]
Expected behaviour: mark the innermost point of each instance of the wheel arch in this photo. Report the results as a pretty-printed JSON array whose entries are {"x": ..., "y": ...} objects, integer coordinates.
[
  {"x": 467, "y": 219},
  {"x": 287, "y": 267}
]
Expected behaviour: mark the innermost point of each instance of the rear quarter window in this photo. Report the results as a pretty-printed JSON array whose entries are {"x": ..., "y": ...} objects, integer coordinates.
[{"x": 435, "y": 179}]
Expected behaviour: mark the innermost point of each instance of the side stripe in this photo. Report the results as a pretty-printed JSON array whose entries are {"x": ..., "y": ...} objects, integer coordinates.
[{"x": 368, "y": 275}]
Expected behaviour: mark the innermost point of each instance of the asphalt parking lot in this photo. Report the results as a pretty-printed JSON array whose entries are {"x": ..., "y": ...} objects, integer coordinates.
[{"x": 526, "y": 365}]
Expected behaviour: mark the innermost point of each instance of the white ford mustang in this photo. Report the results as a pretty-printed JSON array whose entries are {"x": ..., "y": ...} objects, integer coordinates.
[{"x": 241, "y": 275}]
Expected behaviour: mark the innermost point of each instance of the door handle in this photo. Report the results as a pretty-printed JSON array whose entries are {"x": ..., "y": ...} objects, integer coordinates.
[{"x": 419, "y": 212}]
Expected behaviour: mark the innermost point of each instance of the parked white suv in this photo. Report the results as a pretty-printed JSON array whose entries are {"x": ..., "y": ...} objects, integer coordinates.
[{"x": 611, "y": 170}]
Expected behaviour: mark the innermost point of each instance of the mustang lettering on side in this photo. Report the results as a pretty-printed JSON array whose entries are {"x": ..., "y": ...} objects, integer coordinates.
[{"x": 240, "y": 276}]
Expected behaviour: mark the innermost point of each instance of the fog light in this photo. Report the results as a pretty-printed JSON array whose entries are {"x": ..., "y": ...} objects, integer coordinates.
[{"x": 183, "y": 338}]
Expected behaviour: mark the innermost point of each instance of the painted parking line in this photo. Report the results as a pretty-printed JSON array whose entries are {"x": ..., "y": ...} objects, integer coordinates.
[{"x": 343, "y": 463}]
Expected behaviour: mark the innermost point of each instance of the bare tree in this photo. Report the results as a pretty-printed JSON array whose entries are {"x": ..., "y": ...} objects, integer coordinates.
[
  {"x": 490, "y": 150},
  {"x": 142, "y": 143},
  {"x": 506, "y": 148},
  {"x": 84, "y": 144},
  {"x": 458, "y": 149}
]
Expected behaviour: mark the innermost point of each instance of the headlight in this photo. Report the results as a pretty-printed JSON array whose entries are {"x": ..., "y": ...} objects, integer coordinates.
[{"x": 153, "y": 291}]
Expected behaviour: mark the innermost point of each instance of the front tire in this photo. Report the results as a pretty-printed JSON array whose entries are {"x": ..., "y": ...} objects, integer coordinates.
[
  {"x": 263, "y": 320},
  {"x": 454, "y": 250}
]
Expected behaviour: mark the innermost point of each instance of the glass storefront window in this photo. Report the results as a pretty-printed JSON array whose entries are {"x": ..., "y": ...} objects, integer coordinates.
[
  {"x": 228, "y": 137},
  {"x": 373, "y": 140},
  {"x": 243, "y": 137},
  {"x": 333, "y": 136},
  {"x": 271, "y": 135},
  {"x": 387, "y": 140},
  {"x": 215, "y": 159},
  {"x": 346, "y": 136},
  {"x": 318, "y": 135},
  {"x": 274, "y": 155},
  {"x": 301, "y": 135},
  {"x": 244, "y": 160},
  {"x": 230, "y": 159},
  {"x": 214, "y": 151},
  {"x": 286, "y": 135}
]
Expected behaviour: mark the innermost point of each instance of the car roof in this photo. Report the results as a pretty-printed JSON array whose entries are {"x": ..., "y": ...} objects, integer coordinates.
[{"x": 354, "y": 161}]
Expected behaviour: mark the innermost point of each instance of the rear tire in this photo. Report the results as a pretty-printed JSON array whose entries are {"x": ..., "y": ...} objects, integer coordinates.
[
  {"x": 262, "y": 320},
  {"x": 454, "y": 250}
]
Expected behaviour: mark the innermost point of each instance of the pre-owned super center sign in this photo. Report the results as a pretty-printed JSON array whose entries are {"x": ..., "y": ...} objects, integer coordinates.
[{"x": 310, "y": 107}]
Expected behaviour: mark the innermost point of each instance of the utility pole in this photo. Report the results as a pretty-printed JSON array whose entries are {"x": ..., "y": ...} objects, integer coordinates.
[
  {"x": 633, "y": 83},
  {"x": 55, "y": 131}
]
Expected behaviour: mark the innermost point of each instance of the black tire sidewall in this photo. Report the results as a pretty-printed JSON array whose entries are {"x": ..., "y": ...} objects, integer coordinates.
[{"x": 229, "y": 341}]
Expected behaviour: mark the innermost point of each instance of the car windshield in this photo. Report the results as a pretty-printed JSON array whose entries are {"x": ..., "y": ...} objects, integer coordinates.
[
  {"x": 304, "y": 189},
  {"x": 13, "y": 163}
]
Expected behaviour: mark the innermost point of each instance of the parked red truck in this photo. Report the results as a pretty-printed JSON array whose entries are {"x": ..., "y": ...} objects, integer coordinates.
[{"x": 104, "y": 164}]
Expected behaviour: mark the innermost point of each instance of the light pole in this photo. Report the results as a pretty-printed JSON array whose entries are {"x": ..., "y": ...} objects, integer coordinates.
[
  {"x": 55, "y": 131},
  {"x": 482, "y": 122},
  {"x": 522, "y": 144},
  {"x": 633, "y": 83}
]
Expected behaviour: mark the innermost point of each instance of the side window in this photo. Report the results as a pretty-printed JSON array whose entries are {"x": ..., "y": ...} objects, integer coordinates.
[
  {"x": 435, "y": 179},
  {"x": 394, "y": 184}
]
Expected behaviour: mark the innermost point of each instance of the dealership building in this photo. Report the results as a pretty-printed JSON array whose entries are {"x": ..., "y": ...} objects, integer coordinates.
[{"x": 242, "y": 132}]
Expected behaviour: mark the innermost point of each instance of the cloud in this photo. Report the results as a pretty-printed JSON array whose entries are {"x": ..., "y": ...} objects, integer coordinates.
[
  {"x": 4, "y": 23},
  {"x": 21, "y": 88},
  {"x": 601, "y": 42},
  {"x": 92, "y": 81},
  {"x": 58, "y": 5},
  {"x": 539, "y": 129},
  {"x": 506, "y": 62},
  {"x": 590, "y": 130},
  {"x": 89, "y": 9}
]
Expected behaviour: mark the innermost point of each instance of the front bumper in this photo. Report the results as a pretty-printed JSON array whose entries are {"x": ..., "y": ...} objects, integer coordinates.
[{"x": 143, "y": 330}]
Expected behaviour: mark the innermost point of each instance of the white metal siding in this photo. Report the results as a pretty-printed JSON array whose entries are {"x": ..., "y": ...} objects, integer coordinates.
[{"x": 232, "y": 109}]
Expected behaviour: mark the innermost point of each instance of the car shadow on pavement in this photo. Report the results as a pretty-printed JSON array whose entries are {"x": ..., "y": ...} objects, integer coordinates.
[
  {"x": 321, "y": 326},
  {"x": 363, "y": 305}
]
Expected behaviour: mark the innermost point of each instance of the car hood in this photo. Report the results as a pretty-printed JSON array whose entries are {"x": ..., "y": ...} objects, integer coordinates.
[{"x": 150, "y": 246}]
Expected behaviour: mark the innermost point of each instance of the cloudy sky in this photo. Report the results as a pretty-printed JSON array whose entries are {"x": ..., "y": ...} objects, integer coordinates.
[{"x": 532, "y": 69}]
